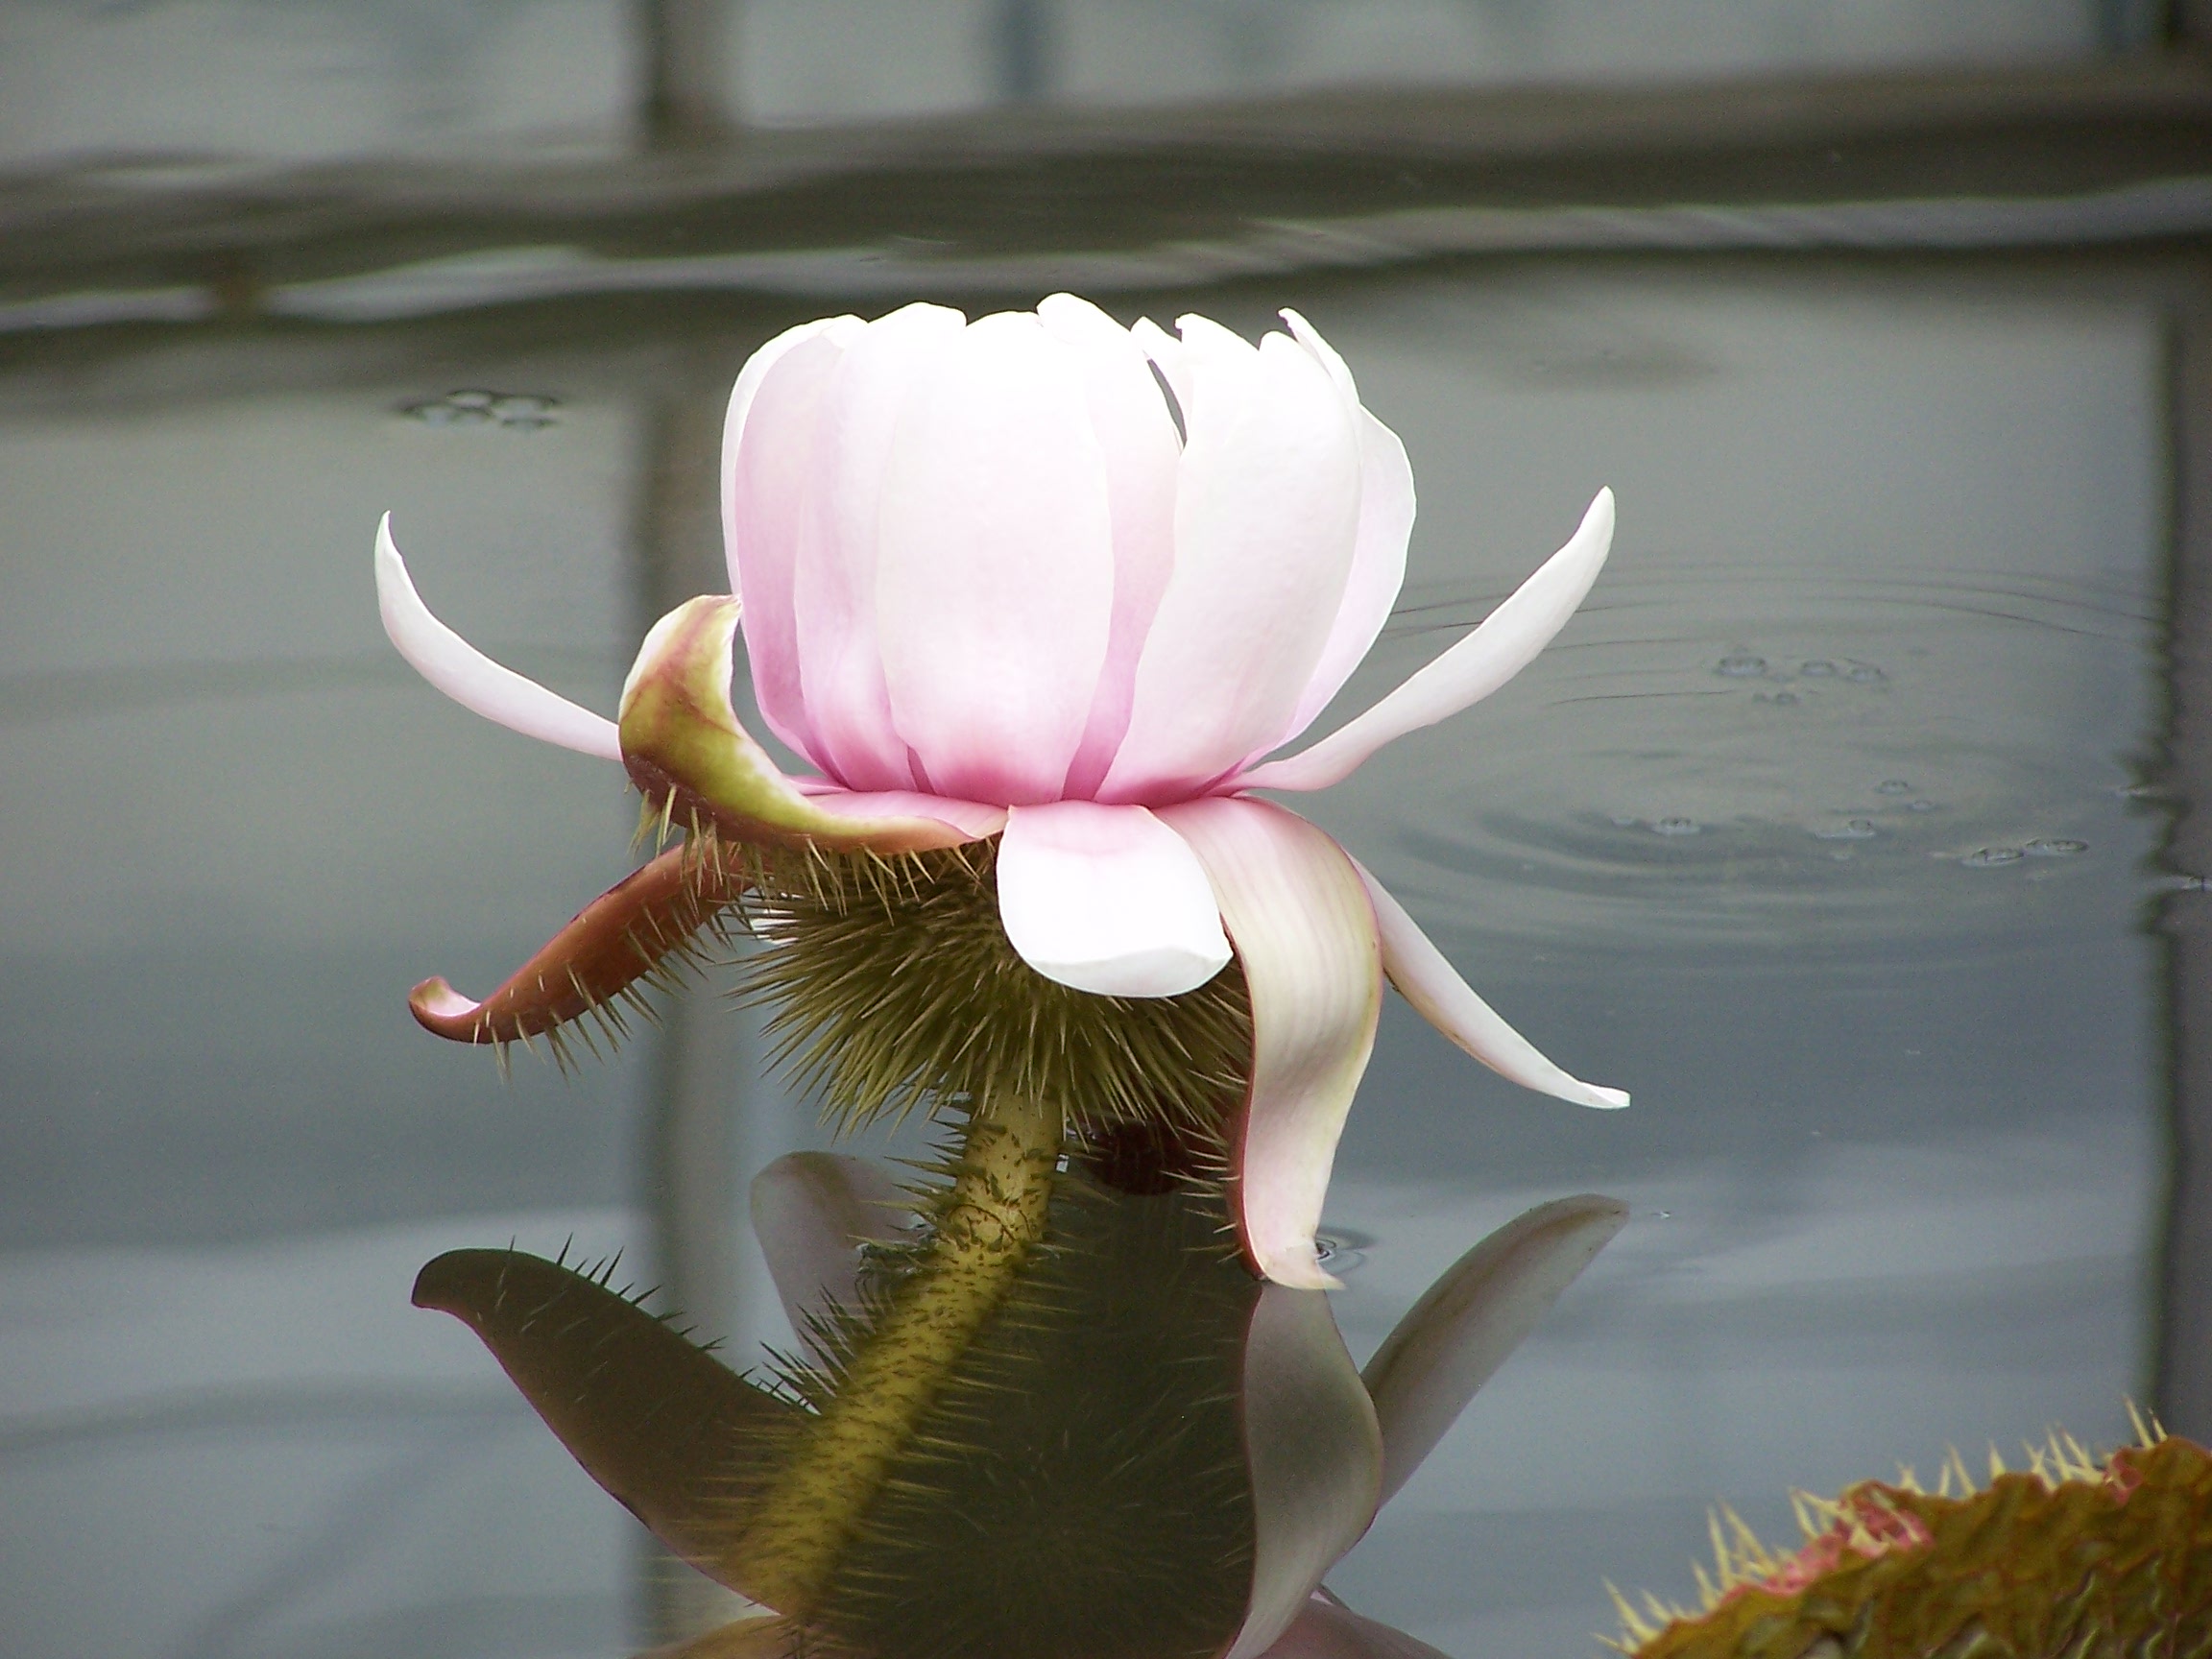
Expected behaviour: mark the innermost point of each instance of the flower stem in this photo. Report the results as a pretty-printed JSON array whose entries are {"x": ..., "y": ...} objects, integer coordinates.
[{"x": 994, "y": 1213}]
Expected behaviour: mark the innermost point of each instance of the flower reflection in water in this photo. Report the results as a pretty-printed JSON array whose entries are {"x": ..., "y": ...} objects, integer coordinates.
[{"x": 1145, "y": 1452}]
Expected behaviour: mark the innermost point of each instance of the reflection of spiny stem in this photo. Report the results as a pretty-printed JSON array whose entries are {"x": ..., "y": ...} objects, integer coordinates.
[{"x": 993, "y": 1214}]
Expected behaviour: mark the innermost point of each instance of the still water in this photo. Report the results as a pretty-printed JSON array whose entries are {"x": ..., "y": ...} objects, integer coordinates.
[{"x": 1823, "y": 828}]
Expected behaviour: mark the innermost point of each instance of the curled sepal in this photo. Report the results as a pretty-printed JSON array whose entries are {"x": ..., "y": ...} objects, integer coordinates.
[
  {"x": 593, "y": 964},
  {"x": 1466, "y": 1323},
  {"x": 676, "y": 1436},
  {"x": 686, "y": 751}
]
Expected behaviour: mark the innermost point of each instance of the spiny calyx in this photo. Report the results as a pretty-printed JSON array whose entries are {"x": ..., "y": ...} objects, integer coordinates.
[{"x": 893, "y": 985}]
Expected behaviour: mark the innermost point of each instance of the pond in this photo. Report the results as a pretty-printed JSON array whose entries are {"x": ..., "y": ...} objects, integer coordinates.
[{"x": 1830, "y": 828}]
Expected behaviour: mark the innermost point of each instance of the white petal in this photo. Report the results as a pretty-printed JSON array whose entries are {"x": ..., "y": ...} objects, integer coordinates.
[
  {"x": 1305, "y": 937},
  {"x": 1506, "y": 642},
  {"x": 1434, "y": 986},
  {"x": 1377, "y": 570},
  {"x": 1315, "y": 1454},
  {"x": 1267, "y": 519},
  {"x": 995, "y": 589},
  {"x": 1137, "y": 436},
  {"x": 1465, "y": 1324},
  {"x": 1108, "y": 900},
  {"x": 812, "y": 1212},
  {"x": 472, "y": 679}
]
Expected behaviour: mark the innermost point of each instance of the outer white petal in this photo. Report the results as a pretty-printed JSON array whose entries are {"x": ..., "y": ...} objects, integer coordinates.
[
  {"x": 833, "y": 586},
  {"x": 1305, "y": 936},
  {"x": 472, "y": 679},
  {"x": 1378, "y": 569},
  {"x": 1465, "y": 1324},
  {"x": 1108, "y": 900},
  {"x": 1506, "y": 642},
  {"x": 812, "y": 1212},
  {"x": 741, "y": 397},
  {"x": 1424, "y": 979}
]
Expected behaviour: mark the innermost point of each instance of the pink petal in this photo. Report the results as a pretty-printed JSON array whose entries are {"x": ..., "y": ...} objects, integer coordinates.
[
  {"x": 1455, "y": 1339},
  {"x": 1137, "y": 434},
  {"x": 1379, "y": 555},
  {"x": 812, "y": 1212},
  {"x": 836, "y": 590},
  {"x": 472, "y": 679},
  {"x": 1108, "y": 900},
  {"x": 1316, "y": 1456},
  {"x": 1304, "y": 936},
  {"x": 1330, "y": 1630},
  {"x": 741, "y": 396},
  {"x": 1266, "y": 516},
  {"x": 1434, "y": 986},
  {"x": 771, "y": 523},
  {"x": 995, "y": 592},
  {"x": 1506, "y": 642}
]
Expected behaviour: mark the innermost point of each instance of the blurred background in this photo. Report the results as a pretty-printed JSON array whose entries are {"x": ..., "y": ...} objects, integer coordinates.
[{"x": 1851, "y": 826}]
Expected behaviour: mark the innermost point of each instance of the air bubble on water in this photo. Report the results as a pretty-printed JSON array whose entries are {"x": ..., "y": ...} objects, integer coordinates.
[
  {"x": 1864, "y": 674},
  {"x": 1893, "y": 787},
  {"x": 1819, "y": 668},
  {"x": 1841, "y": 855},
  {"x": 512, "y": 411},
  {"x": 1990, "y": 858},
  {"x": 1675, "y": 827},
  {"x": 440, "y": 413},
  {"x": 1855, "y": 829},
  {"x": 2055, "y": 849},
  {"x": 1920, "y": 806},
  {"x": 1741, "y": 665},
  {"x": 1624, "y": 821},
  {"x": 1786, "y": 697}
]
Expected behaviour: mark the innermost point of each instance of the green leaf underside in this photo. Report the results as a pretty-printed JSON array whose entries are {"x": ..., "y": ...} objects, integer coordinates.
[{"x": 893, "y": 986}]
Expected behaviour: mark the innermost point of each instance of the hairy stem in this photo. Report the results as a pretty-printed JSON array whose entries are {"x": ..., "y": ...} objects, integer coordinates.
[{"x": 993, "y": 1214}]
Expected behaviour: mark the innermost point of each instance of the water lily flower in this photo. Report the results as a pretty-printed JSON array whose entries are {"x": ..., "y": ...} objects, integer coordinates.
[
  {"x": 1157, "y": 1453},
  {"x": 1072, "y": 586}
]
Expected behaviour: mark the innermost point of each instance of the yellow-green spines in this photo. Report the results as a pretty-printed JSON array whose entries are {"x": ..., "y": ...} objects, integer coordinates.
[
  {"x": 893, "y": 985},
  {"x": 2070, "y": 1559}
]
